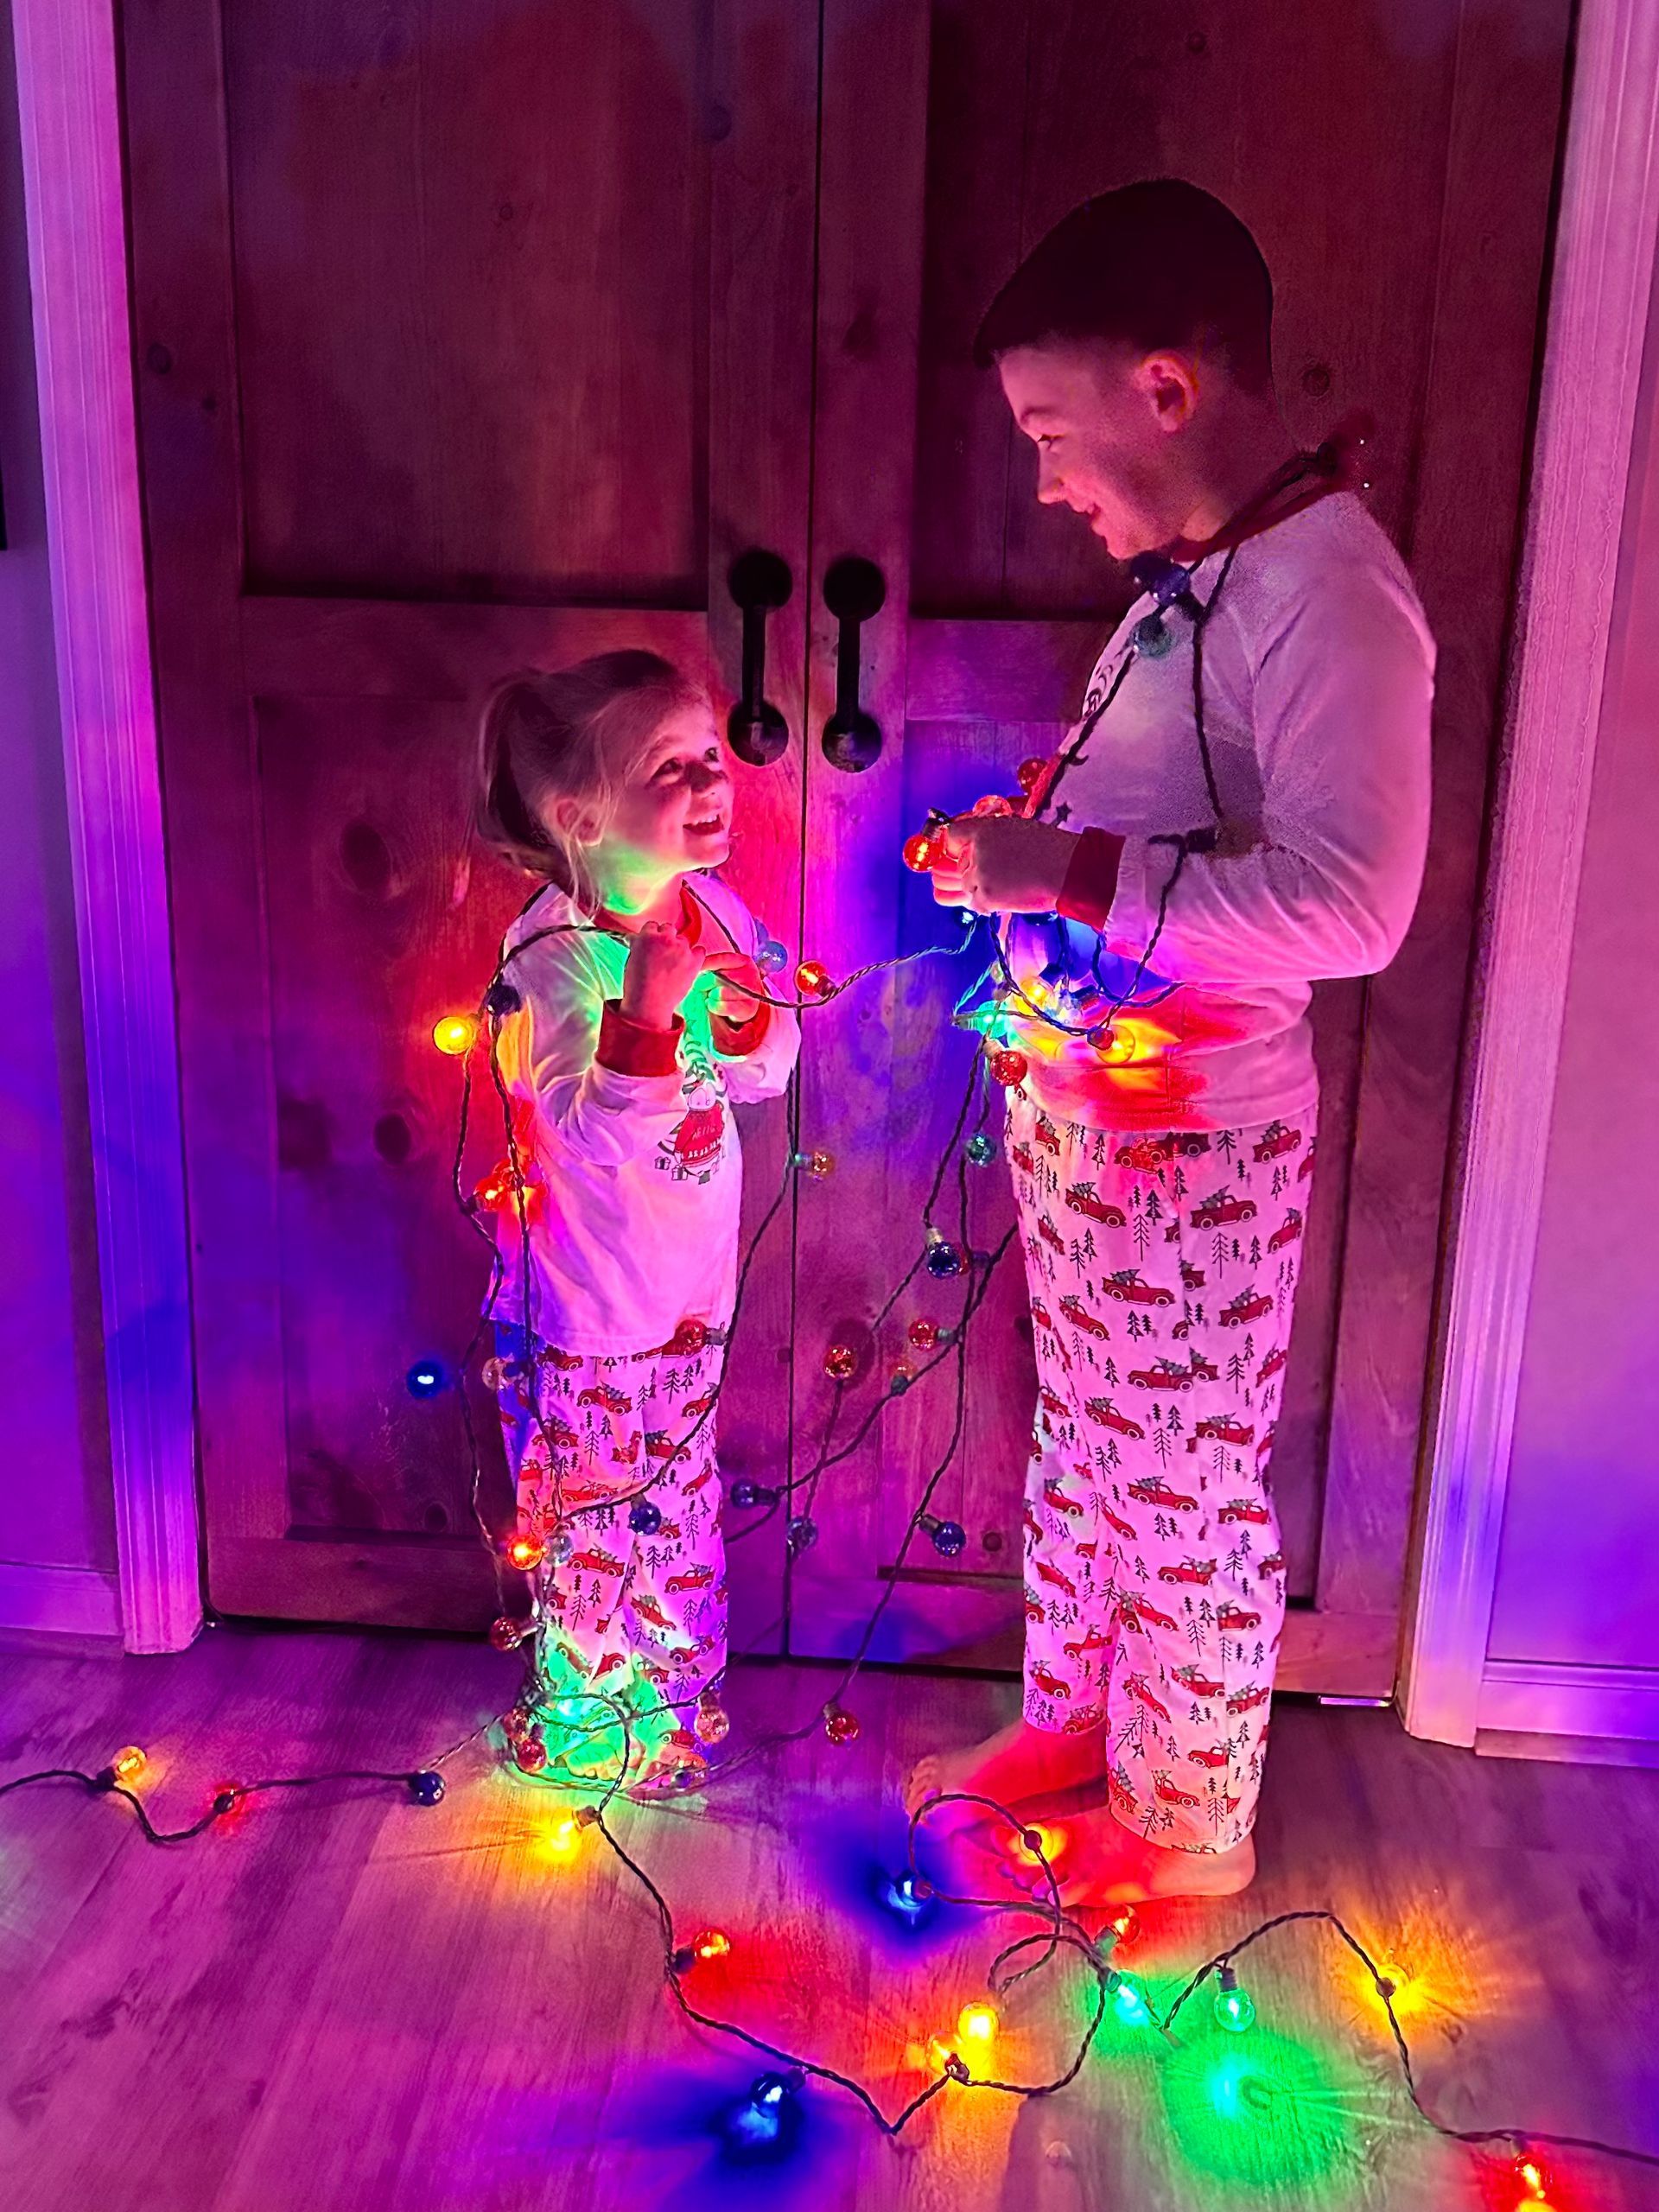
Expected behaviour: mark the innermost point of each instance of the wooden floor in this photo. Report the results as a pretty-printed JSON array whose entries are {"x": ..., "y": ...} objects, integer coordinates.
[{"x": 344, "y": 2000}]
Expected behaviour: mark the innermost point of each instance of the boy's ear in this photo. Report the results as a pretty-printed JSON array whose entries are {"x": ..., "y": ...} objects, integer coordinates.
[{"x": 1168, "y": 382}]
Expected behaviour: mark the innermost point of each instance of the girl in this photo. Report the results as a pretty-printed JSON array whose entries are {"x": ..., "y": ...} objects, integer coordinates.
[{"x": 628, "y": 1015}]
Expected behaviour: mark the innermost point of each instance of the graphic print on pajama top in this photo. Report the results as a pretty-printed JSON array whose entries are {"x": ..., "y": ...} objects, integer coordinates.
[
  {"x": 639, "y": 1616},
  {"x": 1162, "y": 1271}
]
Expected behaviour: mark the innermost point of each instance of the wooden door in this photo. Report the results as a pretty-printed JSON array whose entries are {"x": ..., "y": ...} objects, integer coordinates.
[
  {"x": 467, "y": 337},
  {"x": 1398, "y": 177}
]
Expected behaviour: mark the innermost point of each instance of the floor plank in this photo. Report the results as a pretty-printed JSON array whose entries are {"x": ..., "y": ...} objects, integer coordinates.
[{"x": 342, "y": 2000}]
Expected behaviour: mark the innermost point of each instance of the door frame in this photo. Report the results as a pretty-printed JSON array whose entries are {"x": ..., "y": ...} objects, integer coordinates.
[
  {"x": 1601, "y": 280},
  {"x": 1600, "y": 285},
  {"x": 75, "y": 213}
]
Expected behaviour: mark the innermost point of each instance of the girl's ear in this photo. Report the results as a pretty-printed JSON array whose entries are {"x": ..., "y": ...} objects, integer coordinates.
[{"x": 577, "y": 821}]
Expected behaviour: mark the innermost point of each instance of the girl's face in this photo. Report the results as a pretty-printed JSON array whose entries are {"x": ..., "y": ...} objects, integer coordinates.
[{"x": 673, "y": 810}]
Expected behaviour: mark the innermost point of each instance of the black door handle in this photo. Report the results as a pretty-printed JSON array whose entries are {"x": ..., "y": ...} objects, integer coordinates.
[
  {"x": 759, "y": 581},
  {"x": 853, "y": 591}
]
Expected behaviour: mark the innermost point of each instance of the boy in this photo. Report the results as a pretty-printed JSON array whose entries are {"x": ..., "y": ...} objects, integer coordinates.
[{"x": 1243, "y": 808}]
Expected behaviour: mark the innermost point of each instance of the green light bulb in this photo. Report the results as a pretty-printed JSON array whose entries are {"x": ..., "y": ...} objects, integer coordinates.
[
  {"x": 1234, "y": 2009},
  {"x": 1131, "y": 2004}
]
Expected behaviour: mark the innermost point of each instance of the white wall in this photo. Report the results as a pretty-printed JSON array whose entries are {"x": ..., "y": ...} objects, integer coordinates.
[
  {"x": 57, "y": 1529},
  {"x": 1574, "y": 1640}
]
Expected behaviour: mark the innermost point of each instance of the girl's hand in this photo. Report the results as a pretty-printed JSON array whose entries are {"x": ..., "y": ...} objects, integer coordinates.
[
  {"x": 998, "y": 864},
  {"x": 661, "y": 968},
  {"x": 742, "y": 989}
]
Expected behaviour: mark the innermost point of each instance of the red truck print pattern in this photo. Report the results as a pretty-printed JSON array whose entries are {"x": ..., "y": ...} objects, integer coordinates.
[
  {"x": 1128, "y": 1287},
  {"x": 641, "y": 1613},
  {"x": 1081, "y": 1199},
  {"x": 1154, "y": 1582},
  {"x": 1074, "y": 1311},
  {"x": 1225, "y": 1207}
]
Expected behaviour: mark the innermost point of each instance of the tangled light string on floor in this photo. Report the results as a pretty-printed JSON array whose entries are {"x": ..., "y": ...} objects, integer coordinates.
[{"x": 765, "y": 2122}]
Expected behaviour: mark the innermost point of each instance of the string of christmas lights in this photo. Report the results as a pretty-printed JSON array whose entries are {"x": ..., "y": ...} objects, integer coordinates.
[{"x": 766, "y": 2121}]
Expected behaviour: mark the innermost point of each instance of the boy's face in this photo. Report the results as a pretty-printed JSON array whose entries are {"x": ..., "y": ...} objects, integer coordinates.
[{"x": 1105, "y": 421}]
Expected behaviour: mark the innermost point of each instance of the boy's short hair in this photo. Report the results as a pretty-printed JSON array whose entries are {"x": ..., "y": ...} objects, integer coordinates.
[{"x": 1159, "y": 264}]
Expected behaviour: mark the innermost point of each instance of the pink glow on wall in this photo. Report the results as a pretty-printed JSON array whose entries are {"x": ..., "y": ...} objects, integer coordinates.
[{"x": 1576, "y": 1582}]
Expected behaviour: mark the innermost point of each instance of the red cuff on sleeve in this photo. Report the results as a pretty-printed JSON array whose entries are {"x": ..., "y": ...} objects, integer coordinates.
[
  {"x": 734, "y": 1041},
  {"x": 1091, "y": 880},
  {"x": 628, "y": 1047}
]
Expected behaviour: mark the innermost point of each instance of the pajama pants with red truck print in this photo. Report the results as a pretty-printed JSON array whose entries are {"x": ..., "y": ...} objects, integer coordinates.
[
  {"x": 639, "y": 1615},
  {"x": 1162, "y": 1270}
]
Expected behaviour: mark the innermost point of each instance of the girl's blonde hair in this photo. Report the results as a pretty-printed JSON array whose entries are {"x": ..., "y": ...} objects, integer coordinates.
[{"x": 573, "y": 732}]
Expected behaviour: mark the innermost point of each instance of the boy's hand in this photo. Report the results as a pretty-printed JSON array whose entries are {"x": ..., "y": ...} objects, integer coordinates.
[
  {"x": 661, "y": 968},
  {"x": 998, "y": 864},
  {"x": 742, "y": 987}
]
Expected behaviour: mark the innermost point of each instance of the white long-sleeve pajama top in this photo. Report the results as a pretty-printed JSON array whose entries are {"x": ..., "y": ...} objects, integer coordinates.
[
  {"x": 1317, "y": 669},
  {"x": 632, "y": 1151}
]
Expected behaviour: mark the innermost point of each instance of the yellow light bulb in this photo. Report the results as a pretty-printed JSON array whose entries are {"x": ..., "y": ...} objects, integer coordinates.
[
  {"x": 977, "y": 2023},
  {"x": 1049, "y": 1842},
  {"x": 563, "y": 1837},
  {"x": 712, "y": 1944},
  {"x": 454, "y": 1033},
  {"x": 129, "y": 1764}
]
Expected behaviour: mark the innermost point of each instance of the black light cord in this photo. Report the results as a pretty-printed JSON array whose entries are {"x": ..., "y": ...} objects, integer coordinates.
[{"x": 1061, "y": 1932}]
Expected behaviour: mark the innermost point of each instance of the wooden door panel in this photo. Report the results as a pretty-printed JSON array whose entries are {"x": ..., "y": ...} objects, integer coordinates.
[
  {"x": 471, "y": 259},
  {"x": 470, "y": 339},
  {"x": 1352, "y": 154}
]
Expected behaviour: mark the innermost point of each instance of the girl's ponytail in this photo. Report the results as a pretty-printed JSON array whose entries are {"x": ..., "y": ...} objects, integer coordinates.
[{"x": 501, "y": 816}]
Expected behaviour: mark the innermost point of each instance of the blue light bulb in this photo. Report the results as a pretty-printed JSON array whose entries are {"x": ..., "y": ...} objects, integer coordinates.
[
  {"x": 426, "y": 1378},
  {"x": 950, "y": 1538},
  {"x": 1131, "y": 2004},
  {"x": 910, "y": 1895},
  {"x": 758, "y": 2123},
  {"x": 981, "y": 1149},
  {"x": 944, "y": 1261}
]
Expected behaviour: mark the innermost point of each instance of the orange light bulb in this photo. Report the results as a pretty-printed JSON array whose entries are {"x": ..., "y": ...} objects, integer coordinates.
[
  {"x": 128, "y": 1764},
  {"x": 527, "y": 1552},
  {"x": 712, "y": 1944},
  {"x": 454, "y": 1034}
]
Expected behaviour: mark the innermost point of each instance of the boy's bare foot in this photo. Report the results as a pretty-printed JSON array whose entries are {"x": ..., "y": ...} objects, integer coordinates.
[
  {"x": 1103, "y": 1864},
  {"x": 1019, "y": 1761}
]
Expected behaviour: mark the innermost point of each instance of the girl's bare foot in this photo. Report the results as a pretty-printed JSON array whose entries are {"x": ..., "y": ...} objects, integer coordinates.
[
  {"x": 1019, "y": 1761},
  {"x": 1103, "y": 1864}
]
